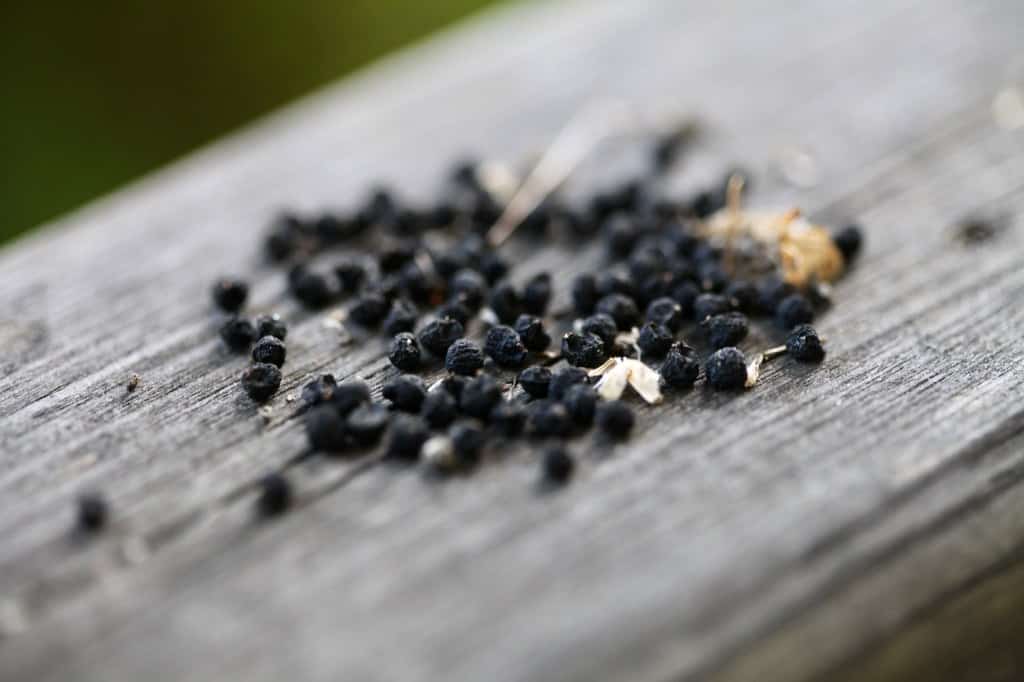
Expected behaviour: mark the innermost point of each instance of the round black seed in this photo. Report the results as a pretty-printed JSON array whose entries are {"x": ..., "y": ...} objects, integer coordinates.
[
  {"x": 770, "y": 291},
  {"x": 621, "y": 235},
  {"x": 602, "y": 325},
  {"x": 366, "y": 424},
  {"x": 707, "y": 305},
  {"x": 804, "y": 344},
  {"x": 230, "y": 294},
  {"x": 406, "y": 438},
  {"x": 505, "y": 302},
  {"x": 580, "y": 401},
  {"x": 455, "y": 310},
  {"x": 283, "y": 237},
  {"x": 439, "y": 334},
  {"x": 584, "y": 294},
  {"x": 369, "y": 309},
  {"x": 325, "y": 429},
  {"x": 392, "y": 257},
  {"x": 680, "y": 367},
  {"x": 537, "y": 294},
  {"x": 479, "y": 396},
  {"x": 467, "y": 442},
  {"x": 726, "y": 329},
  {"x": 508, "y": 419},
  {"x": 556, "y": 466},
  {"x": 406, "y": 393},
  {"x": 546, "y": 418},
  {"x": 613, "y": 282},
  {"x": 793, "y": 310},
  {"x": 654, "y": 339},
  {"x": 261, "y": 381},
  {"x": 269, "y": 349},
  {"x": 439, "y": 409},
  {"x": 312, "y": 289},
  {"x": 848, "y": 240},
  {"x": 351, "y": 275},
  {"x": 469, "y": 287},
  {"x": 238, "y": 333},
  {"x": 535, "y": 381},
  {"x": 493, "y": 267},
  {"x": 404, "y": 352},
  {"x": 712, "y": 277},
  {"x": 504, "y": 346},
  {"x": 685, "y": 294},
  {"x": 667, "y": 312},
  {"x": 401, "y": 318},
  {"x": 744, "y": 295},
  {"x": 93, "y": 512},
  {"x": 319, "y": 390},
  {"x": 271, "y": 325},
  {"x": 532, "y": 334},
  {"x": 615, "y": 418},
  {"x": 563, "y": 379},
  {"x": 704, "y": 204},
  {"x": 275, "y": 495},
  {"x": 583, "y": 350},
  {"x": 726, "y": 369},
  {"x": 464, "y": 357},
  {"x": 621, "y": 308},
  {"x": 350, "y": 395}
]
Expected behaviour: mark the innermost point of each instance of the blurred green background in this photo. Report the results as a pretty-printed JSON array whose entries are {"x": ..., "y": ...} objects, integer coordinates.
[{"x": 96, "y": 93}]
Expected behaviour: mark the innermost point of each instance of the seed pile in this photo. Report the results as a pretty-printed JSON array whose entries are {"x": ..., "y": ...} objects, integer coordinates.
[{"x": 444, "y": 297}]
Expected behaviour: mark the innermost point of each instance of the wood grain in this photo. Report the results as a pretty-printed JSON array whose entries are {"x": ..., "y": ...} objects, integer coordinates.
[{"x": 808, "y": 528}]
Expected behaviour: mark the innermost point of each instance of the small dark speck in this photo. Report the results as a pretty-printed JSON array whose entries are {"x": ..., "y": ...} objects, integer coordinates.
[
  {"x": 976, "y": 230},
  {"x": 133, "y": 382}
]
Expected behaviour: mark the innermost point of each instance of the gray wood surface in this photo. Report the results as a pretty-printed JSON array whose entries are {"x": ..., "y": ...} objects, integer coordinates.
[{"x": 862, "y": 518}]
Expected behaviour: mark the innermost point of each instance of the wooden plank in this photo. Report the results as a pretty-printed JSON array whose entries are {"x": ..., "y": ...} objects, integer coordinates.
[{"x": 788, "y": 531}]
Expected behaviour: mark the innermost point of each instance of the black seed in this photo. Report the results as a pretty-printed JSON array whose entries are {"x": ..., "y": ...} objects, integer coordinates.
[
  {"x": 261, "y": 381},
  {"x": 238, "y": 333},
  {"x": 230, "y": 294},
  {"x": 351, "y": 275},
  {"x": 464, "y": 357},
  {"x": 580, "y": 401},
  {"x": 546, "y": 418},
  {"x": 392, "y": 257},
  {"x": 504, "y": 346},
  {"x": 584, "y": 294},
  {"x": 621, "y": 308},
  {"x": 707, "y": 305},
  {"x": 508, "y": 419},
  {"x": 93, "y": 512},
  {"x": 615, "y": 418},
  {"x": 366, "y": 424},
  {"x": 848, "y": 240},
  {"x": 726, "y": 369},
  {"x": 793, "y": 310},
  {"x": 319, "y": 390},
  {"x": 770, "y": 291},
  {"x": 654, "y": 339},
  {"x": 470, "y": 288},
  {"x": 681, "y": 367},
  {"x": 404, "y": 352},
  {"x": 275, "y": 495},
  {"x": 467, "y": 442},
  {"x": 532, "y": 334},
  {"x": 418, "y": 285},
  {"x": 726, "y": 329},
  {"x": 369, "y": 309},
  {"x": 455, "y": 310},
  {"x": 804, "y": 344},
  {"x": 557, "y": 466},
  {"x": 583, "y": 350},
  {"x": 406, "y": 438},
  {"x": 505, "y": 302},
  {"x": 612, "y": 282},
  {"x": 350, "y": 395},
  {"x": 667, "y": 312},
  {"x": 453, "y": 385},
  {"x": 330, "y": 229},
  {"x": 406, "y": 393},
  {"x": 493, "y": 267},
  {"x": 325, "y": 429},
  {"x": 602, "y": 325},
  {"x": 535, "y": 381},
  {"x": 685, "y": 294},
  {"x": 283, "y": 236},
  {"x": 312, "y": 289},
  {"x": 271, "y": 325},
  {"x": 439, "y": 409},
  {"x": 269, "y": 349},
  {"x": 621, "y": 235},
  {"x": 537, "y": 294},
  {"x": 704, "y": 204},
  {"x": 439, "y": 334},
  {"x": 480, "y": 396},
  {"x": 564, "y": 379},
  {"x": 744, "y": 295},
  {"x": 712, "y": 277},
  {"x": 401, "y": 318}
]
